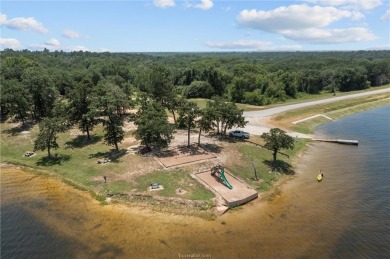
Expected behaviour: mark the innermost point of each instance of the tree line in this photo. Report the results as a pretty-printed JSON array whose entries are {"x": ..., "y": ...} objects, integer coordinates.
[{"x": 59, "y": 89}]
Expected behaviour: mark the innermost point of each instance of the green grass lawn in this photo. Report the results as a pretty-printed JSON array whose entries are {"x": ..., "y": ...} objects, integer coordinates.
[
  {"x": 76, "y": 158},
  {"x": 262, "y": 159},
  {"x": 246, "y": 107},
  {"x": 301, "y": 97},
  {"x": 304, "y": 97},
  {"x": 75, "y": 161},
  {"x": 171, "y": 180},
  {"x": 333, "y": 110}
]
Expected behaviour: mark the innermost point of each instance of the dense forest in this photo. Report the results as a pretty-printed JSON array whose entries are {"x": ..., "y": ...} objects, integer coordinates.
[
  {"x": 251, "y": 78},
  {"x": 61, "y": 89}
]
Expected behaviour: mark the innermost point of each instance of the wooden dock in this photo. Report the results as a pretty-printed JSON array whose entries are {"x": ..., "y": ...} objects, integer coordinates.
[{"x": 340, "y": 141}]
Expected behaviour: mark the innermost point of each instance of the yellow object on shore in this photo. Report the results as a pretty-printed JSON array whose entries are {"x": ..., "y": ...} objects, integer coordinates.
[{"x": 319, "y": 177}]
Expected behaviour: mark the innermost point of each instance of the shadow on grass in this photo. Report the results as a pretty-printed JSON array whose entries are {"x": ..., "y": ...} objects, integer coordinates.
[
  {"x": 113, "y": 155},
  {"x": 280, "y": 166},
  {"x": 82, "y": 141},
  {"x": 212, "y": 147},
  {"x": 53, "y": 160},
  {"x": 193, "y": 150},
  {"x": 224, "y": 138},
  {"x": 19, "y": 129}
]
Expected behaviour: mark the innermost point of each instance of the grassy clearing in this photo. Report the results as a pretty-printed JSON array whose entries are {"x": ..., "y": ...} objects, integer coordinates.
[
  {"x": 171, "y": 180},
  {"x": 262, "y": 159},
  {"x": 76, "y": 159},
  {"x": 304, "y": 97},
  {"x": 301, "y": 97},
  {"x": 334, "y": 110},
  {"x": 75, "y": 162},
  {"x": 246, "y": 107}
]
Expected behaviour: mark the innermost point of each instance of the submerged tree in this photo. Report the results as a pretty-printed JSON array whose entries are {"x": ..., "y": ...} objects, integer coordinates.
[{"x": 277, "y": 139}]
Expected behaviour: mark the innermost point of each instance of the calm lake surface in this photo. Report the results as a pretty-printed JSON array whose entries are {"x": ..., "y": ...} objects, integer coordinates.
[{"x": 347, "y": 215}]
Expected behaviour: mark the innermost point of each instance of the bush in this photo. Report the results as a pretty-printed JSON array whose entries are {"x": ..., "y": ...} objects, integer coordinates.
[{"x": 198, "y": 89}]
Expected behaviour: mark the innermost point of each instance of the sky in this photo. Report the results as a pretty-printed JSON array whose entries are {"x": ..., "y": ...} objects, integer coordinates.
[{"x": 195, "y": 26}]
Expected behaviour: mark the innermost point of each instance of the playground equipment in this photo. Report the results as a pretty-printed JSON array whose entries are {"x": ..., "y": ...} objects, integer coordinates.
[{"x": 218, "y": 171}]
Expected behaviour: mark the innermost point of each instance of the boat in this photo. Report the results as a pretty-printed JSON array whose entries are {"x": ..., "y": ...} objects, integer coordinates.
[{"x": 319, "y": 177}]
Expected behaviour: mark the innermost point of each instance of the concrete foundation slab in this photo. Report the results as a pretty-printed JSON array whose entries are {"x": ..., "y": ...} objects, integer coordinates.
[{"x": 240, "y": 194}]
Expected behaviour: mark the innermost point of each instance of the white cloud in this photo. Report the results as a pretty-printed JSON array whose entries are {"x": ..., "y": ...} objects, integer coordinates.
[
  {"x": 22, "y": 24},
  {"x": 9, "y": 43},
  {"x": 71, "y": 34},
  {"x": 386, "y": 16},
  {"x": 227, "y": 9},
  {"x": 305, "y": 23},
  {"x": 164, "y": 3},
  {"x": 53, "y": 45},
  {"x": 293, "y": 17},
  {"x": 321, "y": 36},
  {"x": 53, "y": 42},
  {"x": 355, "y": 4},
  {"x": 3, "y": 19},
  {"x": 204, "y": 4},
  {"x": 252, "y": 45}
]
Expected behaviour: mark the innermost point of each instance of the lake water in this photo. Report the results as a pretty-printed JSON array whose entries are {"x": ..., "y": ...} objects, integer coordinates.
[{"x": 346, "y": 215}]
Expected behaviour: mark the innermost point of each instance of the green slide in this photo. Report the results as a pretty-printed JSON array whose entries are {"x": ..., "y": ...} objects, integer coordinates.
[{"x": 225, "y": 180}]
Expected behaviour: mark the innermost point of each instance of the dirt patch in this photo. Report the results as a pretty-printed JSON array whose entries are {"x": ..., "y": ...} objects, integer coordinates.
[
  {"x": 129, "y": 126},
  {"x": 75, "y": 132},
  {"x": 129, "y": 141},
  {"x": 180, "y": 191},
  {"x": 160, "y": 187}
]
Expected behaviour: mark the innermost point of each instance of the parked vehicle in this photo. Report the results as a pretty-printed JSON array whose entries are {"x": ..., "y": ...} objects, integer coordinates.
[{"x": 239, "y": 134}]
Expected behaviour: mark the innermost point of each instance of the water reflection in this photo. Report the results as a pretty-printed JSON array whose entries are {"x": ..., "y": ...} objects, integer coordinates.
[{"x": 57, "y": 220}]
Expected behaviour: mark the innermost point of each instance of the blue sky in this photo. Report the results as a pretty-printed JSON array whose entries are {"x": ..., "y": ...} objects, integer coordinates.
[{"x": 201, "y": 25}]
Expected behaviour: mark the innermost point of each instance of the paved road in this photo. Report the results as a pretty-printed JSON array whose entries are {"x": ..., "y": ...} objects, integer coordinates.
[
  {"x": 257, "y": 126},
  {"x": 280, "y": 109}
]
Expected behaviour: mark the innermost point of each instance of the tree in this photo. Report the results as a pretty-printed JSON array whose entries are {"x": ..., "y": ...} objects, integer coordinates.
[
  {"x": 113, "y": 130},
  {"x": 47, "y": 136},
  {"x": 80, "y": 106},
  {"x": 214, "y": 108},
  {"x": 173, "y": 104},
  {"x": 231, "y": 117},
  {"x": 160, "y": 84},
  {"x": 277, "y": 139},
  {"x": 111, "y": 103},
  {"x": 153, "y": 129},
  {"x": 205, "y": 123},
  {"x": 187, "y": 116},
  {"x": 198, "y": 89},
  {"x": 16, "y": 99},
  {"x": 42, "y": 90}
]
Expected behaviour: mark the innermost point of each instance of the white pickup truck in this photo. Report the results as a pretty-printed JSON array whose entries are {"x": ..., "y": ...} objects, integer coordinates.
[{"x": 239, "y": 134}]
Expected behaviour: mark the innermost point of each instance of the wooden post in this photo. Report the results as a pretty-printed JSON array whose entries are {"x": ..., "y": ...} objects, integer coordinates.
[{"x": 254, "y": 168}]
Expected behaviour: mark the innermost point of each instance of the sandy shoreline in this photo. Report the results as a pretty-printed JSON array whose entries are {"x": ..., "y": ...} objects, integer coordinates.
[{"x": 264, "y": 197}]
